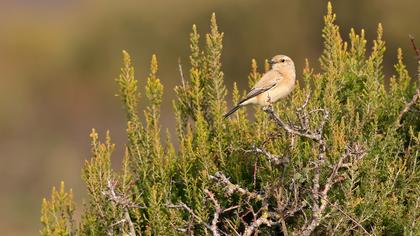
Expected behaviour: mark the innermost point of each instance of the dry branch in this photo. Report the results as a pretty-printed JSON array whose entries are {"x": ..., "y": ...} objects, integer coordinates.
[
  {"x": 122, "y": 201},
  {"x": 184, "y": 206},
  {"x": 277, "y": 160},
  {"x": 231, "y": 188},
  {"x": 181, "y": 73},
  {"x": 408, "y": 106},
  {"x": 416, "y": 50},
  {"x": 257, "y": 208},
  {"x": 249, "y": 230},
  {"x": 216, "y": 214},
  {"x": 321, "y": 197}
]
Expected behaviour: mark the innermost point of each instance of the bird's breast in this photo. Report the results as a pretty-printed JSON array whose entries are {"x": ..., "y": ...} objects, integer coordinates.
[{"x": 280, "y": 91}]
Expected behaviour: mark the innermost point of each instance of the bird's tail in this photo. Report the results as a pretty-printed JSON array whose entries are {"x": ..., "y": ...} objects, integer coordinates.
[{"x": 233, "y": 110}]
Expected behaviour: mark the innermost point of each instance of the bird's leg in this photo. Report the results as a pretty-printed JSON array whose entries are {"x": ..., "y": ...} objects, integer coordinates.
[
  {"x": 270, "y": 104},
  {"x": 268, "y": 98}
]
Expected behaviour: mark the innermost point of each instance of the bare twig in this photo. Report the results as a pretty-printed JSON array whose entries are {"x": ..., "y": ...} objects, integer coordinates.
[
  {"x": 286, "y": 126},
  {"x": 283, "y": 200},
  {"x": 231, "y": 188},
  {"x": 181, "y": 72},
  {"x": 130, "y": 222},
  {"x": 277, "y": 160},
  {"x": 255, "y": 173},
  {"x": 415, "y": 213},
  {"x": 284, "y": 227},
  {"x": 302, "y": 116},
  {"x": 349, "y": 217},
  {"x": 231, "y": 208},
  {"x": 217, "y": 212},
  {"x": 305, "y": 103},
  {"x": 346, "y": 215},
  {"x": 293, "y": 211},
  {"x": 416, "y": 50},
  {"x": 257, "y": 222},
  {"x": 117, "y": 223},
  {"x": 122, "y": 201},
  {"x": 318, "y": 209},
  {"x": 407, "y": 107},
  {"x": 184, "y": 206},
  {"x": 303, "y": 130}
]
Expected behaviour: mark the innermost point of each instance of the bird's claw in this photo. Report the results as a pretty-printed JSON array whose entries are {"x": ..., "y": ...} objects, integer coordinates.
[{"x": 269, "y": 107}]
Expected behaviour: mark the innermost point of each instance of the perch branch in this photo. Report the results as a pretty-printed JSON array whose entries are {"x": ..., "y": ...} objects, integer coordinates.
[{"x": 302, "y": 130}]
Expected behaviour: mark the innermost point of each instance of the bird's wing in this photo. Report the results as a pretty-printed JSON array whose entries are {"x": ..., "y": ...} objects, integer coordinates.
[{"x": 268, "y": 81}]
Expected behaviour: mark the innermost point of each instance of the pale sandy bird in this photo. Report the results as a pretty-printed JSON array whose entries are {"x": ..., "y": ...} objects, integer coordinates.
[{"x": 277, "y": 83}]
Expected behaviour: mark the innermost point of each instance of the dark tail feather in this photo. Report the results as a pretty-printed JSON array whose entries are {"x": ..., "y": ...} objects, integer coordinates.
[{"x": 232, "y": 111}]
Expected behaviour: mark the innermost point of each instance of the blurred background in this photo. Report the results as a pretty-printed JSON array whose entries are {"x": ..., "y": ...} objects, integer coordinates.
[{"x": 59, "y": 58}]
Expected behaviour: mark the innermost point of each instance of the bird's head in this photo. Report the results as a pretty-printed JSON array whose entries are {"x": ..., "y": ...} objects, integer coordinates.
[{"x": 283, "y": 64}]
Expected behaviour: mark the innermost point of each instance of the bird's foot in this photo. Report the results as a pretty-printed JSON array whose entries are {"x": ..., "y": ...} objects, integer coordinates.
[{"x": 268, "y": 107}]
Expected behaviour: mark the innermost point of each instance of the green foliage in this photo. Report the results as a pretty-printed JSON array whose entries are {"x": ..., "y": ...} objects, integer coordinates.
[
  {"x": 57, "y": 213},
  {"x": 362, "y": 155}
]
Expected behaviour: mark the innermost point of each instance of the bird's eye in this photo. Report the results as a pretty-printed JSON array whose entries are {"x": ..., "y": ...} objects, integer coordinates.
[{"x": 282, "y": 60}]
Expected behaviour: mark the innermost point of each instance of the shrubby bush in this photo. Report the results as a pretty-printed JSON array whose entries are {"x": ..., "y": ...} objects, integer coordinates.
[{"x": 338, "y": 157}]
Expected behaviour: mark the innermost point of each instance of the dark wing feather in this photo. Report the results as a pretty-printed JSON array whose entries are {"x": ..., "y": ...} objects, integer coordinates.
[
  {"x": 255, "y": 92},
  {"x": 268, "y": 81}
]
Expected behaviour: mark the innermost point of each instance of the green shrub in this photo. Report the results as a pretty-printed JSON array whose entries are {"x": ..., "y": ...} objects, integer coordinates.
[{"x": 338, "y": 158}]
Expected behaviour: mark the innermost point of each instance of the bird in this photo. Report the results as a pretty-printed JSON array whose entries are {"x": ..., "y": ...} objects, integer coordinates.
[{"x": 275, "y": 84}]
